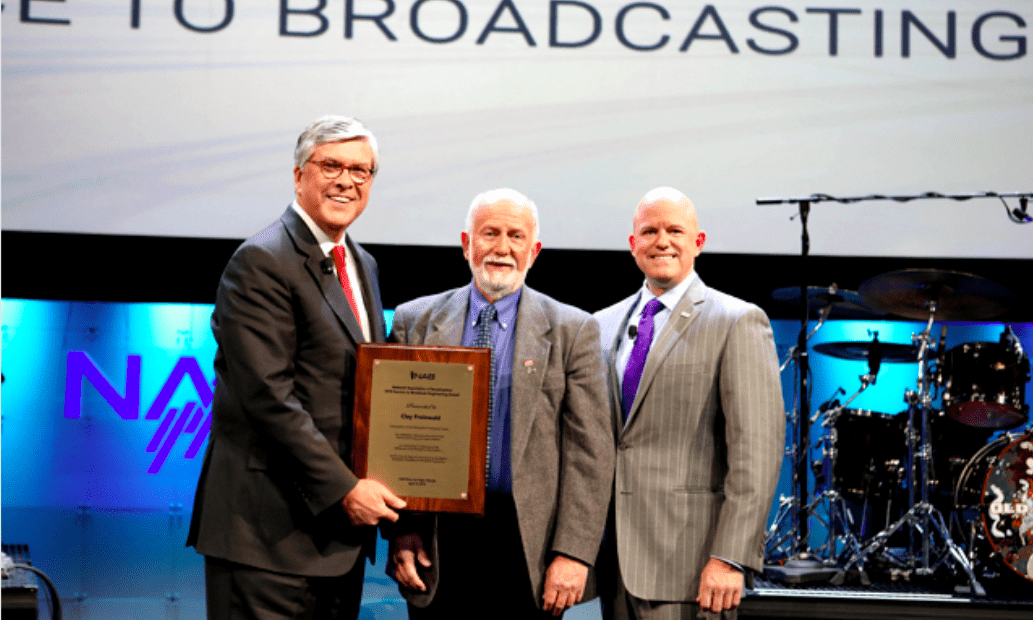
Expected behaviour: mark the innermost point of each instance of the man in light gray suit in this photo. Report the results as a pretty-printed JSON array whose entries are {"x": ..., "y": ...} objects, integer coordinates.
[
  {"x": 698, "y": 417},
  {"x": 550, "y": 454}
]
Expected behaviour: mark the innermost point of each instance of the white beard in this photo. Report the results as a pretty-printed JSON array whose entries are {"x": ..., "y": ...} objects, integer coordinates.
[{"x": 496, "y": 286}]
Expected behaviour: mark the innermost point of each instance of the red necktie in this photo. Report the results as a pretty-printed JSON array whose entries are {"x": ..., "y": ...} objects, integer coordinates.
[{"x": 342, "y": 272}]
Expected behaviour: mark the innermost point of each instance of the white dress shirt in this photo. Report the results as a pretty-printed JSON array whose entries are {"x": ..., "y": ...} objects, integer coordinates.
[
  {"x": 326, "y": 244},
  {"x": 668, "y": 300}
]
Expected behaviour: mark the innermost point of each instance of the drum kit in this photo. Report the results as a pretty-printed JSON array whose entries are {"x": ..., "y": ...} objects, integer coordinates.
[{"x": 937, "y": 491}]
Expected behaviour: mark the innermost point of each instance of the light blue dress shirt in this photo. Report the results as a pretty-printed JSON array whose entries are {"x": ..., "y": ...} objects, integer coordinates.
[{"x": 503, "y": 335}]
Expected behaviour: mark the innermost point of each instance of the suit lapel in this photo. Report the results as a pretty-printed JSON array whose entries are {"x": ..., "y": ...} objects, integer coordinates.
[
  {"x": 328, "y": 284},
  {"x": 532, "y": 343},
  {"x": 370, "y": 291},
  {"x": 685, "y": 312},
  {"x": 614, "y": 380},
  {"x": 448, "y": 321}
]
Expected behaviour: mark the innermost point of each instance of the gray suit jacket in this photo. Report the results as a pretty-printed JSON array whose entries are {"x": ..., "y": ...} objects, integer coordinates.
[
  {"x": 699, "y": 458},
  {"x": 561, "y": 433},
  {"x": 277, "y": 463}
]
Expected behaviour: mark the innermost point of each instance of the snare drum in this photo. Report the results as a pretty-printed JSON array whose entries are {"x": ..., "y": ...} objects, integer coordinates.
[{"x": 985, "y": 385}]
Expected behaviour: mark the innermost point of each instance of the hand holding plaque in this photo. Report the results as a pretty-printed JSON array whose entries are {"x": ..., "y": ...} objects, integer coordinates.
[{"x": 421, "y": 423}]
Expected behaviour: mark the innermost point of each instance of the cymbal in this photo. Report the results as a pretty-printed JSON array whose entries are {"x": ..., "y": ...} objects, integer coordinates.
[
  {"x": 858, "y": 351},
  {"x": 958, "y": 296},
  {"x": 844, "y": 303}
]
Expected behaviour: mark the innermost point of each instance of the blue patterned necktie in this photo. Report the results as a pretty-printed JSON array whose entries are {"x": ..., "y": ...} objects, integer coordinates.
[
  {"x": 639, "y": 352},
  {"x": 484, "y": 322}
]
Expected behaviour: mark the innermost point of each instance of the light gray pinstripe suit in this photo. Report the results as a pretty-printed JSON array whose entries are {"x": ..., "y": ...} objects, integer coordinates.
[{"x": 699, "y": 458}]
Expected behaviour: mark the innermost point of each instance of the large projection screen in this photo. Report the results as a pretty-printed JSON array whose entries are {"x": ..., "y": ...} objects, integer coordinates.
[{"x": 178, "y": 117}]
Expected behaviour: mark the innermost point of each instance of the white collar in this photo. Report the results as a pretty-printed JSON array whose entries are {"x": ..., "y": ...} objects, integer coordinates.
[
  {"x": 326, "y": 244},
  {"x": 670, "y": 297}
]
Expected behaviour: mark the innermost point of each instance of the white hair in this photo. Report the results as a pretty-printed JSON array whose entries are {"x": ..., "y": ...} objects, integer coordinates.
[{"x": 495, "y": 195}]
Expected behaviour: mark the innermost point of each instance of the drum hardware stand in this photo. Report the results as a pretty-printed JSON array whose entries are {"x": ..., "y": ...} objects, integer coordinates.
[
  {"x": 838, "y": 518},
  {"x": 921, "y": 516},
  {"x": 823, "y": 315},
  {"x": 1009, "y": 335},
  {"x": 778, "y": 534},
  {"x": 784, "y": 526},
  {"x": 836, "y": 510}
]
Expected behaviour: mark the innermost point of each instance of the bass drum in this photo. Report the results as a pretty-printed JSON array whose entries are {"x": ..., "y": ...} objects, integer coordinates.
[
  {"x": 954, "y": 446},
  {"x": 997, "y": 483}
]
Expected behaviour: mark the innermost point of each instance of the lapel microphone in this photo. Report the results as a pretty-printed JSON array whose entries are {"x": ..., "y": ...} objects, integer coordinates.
[
  {"x": 327, "y": 264},
  {"x": 633, "y": 331}
]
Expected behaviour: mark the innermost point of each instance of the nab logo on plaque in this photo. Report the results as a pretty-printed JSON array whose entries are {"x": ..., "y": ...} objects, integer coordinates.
[
  {"x": 194, "y": 417},
  {"x": 422, "y": 375}
]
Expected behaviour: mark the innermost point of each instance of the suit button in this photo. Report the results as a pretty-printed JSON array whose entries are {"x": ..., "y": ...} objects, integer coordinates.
[{"x": 622, "y": 446}]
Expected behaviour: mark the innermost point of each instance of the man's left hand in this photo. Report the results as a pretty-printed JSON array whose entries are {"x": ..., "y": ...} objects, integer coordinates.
[
  {"x": 720, "y": 586},
  {"x": 564, "y": 584}
]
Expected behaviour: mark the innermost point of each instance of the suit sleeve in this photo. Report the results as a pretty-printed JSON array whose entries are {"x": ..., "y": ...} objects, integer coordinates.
[
  {"x": 751, "y": 401},
  {"x": 257, "y": 321},
  {"x": 587, "y": 455}
]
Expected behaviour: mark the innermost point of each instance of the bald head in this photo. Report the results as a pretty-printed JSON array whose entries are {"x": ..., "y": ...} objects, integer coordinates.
[
  {"x": 666, "y": 238},
  {"x": 670, "y": 196}
]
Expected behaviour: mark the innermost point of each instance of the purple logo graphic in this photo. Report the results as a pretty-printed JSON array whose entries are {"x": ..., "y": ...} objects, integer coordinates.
[{"x": 193, "y": 418}]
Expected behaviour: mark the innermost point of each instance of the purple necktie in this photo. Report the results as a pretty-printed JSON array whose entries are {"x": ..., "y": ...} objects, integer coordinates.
[{"x": 637, "y": 361}]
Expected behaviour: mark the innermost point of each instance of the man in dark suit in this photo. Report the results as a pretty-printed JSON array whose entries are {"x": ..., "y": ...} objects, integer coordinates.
[
  {"x": 698, "y": 415},
  {"x": 550, "y": 450},
  {"x": 282, "y": 521}
]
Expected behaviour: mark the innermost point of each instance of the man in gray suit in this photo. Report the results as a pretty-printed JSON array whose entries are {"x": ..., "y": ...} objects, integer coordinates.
[
  {"x": 282, "y": 521},
  {"x": 698, "y": 414},
  {"x": 550, "y": 455}
]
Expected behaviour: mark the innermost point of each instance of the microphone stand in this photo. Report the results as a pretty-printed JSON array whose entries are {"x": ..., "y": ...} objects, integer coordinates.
[
  {"x": 801, "y": 566},
  {"x": 800, "y": 469}
]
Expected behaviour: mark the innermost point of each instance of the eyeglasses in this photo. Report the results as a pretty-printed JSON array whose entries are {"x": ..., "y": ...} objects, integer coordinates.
[{"x": 333, "y": 169}]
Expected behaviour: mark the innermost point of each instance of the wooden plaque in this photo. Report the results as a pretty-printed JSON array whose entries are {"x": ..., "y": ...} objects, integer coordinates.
[{"x": 421, "y": 423}]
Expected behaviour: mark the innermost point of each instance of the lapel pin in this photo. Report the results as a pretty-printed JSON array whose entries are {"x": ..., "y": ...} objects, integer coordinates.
[{"x": 529, "y": 364}]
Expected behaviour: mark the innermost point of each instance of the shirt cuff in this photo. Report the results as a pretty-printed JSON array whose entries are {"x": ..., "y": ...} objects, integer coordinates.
[{"x": 734, "y": 565}]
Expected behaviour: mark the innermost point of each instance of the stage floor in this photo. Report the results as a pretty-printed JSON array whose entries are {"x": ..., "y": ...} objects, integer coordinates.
[{"x": 886, "y": 599}]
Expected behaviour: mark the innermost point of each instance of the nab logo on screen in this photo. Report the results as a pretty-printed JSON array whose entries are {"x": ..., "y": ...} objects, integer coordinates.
[{"x": 192, "y": 418}]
